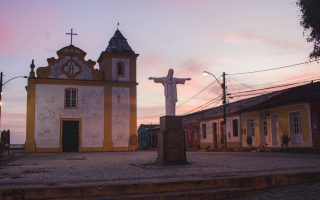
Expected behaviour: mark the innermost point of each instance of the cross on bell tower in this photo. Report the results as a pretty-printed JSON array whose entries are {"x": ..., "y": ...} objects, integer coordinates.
[{"x": 71, "y": 34}]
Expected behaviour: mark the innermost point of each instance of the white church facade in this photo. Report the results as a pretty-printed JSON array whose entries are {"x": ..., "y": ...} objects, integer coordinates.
[{"x": 73, "y": 107}]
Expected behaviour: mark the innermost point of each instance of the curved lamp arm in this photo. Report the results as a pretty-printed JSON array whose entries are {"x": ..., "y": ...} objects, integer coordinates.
[
  {"x": 14, "y": 78},
  {"x": 206, "y": 73}
]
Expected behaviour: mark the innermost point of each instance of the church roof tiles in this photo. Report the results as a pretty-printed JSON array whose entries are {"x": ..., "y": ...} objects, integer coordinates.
[{"x": 118, "y": 44}]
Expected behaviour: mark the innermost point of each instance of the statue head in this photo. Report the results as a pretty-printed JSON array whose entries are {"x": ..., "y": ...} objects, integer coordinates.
[{"x": 170, "y": 73}]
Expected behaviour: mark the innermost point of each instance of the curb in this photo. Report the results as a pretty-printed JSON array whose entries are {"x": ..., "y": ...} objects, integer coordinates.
[{"x": 197, "y": 189}]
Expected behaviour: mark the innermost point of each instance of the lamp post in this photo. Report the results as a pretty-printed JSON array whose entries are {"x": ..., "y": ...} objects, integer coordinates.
[
  {"x": 224, "y": 103},
  {"x": 1, "y": 89}
]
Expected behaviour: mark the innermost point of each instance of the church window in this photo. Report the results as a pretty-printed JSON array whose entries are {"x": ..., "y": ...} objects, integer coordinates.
[
  {"x": 71, "y": 96},
  {"x": 120, "y": 69}
]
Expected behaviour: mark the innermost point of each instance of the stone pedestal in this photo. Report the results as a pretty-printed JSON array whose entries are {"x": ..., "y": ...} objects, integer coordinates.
[{"x": 171, "y": 141}]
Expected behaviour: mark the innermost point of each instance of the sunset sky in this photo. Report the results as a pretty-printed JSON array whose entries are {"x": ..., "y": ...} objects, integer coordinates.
[{"x": 187, "y": 35}]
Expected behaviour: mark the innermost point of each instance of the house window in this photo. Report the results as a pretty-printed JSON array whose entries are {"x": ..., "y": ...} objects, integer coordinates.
[
  {"x": 265, "y": 125},
  {"x": 250, "y": 127},
  {"x": 235, "y": 128},
  {"x": 204, "y": 131},
  {"x": 120, "y": 69},
  {"x": 71, "y": 96},
  {"x": 296, "y": 123}
]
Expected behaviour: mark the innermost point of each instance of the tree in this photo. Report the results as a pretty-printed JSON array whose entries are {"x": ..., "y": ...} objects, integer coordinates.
[{"x": 310, "y": 21}]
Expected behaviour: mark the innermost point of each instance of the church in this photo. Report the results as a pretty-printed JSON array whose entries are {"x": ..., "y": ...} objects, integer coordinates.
[{"x": 74, "y": 107}]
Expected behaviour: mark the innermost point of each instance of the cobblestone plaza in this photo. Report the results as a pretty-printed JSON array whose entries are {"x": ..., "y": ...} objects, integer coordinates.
[{"x": 112, "y": 168}]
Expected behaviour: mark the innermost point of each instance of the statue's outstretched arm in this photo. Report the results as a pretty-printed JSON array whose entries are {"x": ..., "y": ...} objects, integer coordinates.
[
  {"x": 182, "y": 80},
  {"x": 156, "y": 80}
]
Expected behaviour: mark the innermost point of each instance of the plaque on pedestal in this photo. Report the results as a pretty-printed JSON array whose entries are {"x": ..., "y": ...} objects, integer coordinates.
[{"x": 171, "y": 141}]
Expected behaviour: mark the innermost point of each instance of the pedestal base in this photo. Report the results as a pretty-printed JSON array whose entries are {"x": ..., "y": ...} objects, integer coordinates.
[{"x": 171, "y": 141}]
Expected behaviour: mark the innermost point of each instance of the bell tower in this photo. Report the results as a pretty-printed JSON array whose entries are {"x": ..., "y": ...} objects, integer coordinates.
[
  {"x": 118, "y": 61},
  {"x": 118, "y": 65}
]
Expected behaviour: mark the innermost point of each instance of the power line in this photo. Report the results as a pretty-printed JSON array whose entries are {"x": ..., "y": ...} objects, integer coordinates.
[
  {"x": 257, "y": 91},
  {"x": 153, "y": 116},
  {"x": 251, "y": 94},
  {"x": 272, "y": 87},
  {"x": 306, "y": 77},
  {"x": 270, "y": 69},
  {"x": 197, "y": 93},
  {"x": 245, "y": 85},
  {"x": 203, "y": 105}
]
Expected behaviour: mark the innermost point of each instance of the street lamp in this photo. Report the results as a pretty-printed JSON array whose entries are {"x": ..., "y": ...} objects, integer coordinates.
[
  {"x": 224, "y": 102},
  {"x": 1, "y": 90},
  {"x": 208, "y": 73}
]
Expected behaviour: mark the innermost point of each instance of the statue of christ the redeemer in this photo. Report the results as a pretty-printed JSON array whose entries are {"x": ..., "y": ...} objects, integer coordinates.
[{"x": 170, "y": 90}]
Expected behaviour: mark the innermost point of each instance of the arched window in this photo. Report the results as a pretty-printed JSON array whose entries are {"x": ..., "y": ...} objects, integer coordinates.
[
  {"x": 71, "y": 98},
  {"x": 120, "y": 69}
]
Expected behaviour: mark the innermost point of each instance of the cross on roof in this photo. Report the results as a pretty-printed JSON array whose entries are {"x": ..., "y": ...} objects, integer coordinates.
[{"x": 71, "y": 34}]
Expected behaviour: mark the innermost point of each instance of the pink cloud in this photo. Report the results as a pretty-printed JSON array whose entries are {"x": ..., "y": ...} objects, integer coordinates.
[
  {"x": 242, "y": 38},
  {"x": 183, "y": 6},
  {"x": 16, "y": 123},
  {"x": 13, "y": 119},
  {"x": 22, "y": 29},
  {"x": 7, "y": 38}
]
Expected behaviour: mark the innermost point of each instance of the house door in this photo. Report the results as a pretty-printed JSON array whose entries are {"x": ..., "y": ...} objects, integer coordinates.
[
  {"x": 264, "y": 129},
  {"x": 221, "y": 133},
  {"x": 215, "y": 135},
  {"x": 70, "y": 136},
  {"x": 275, "y": 130},
  {"x": 296, "y": 133}
]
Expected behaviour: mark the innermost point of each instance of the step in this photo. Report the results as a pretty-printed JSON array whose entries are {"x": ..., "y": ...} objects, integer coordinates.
[
  {"x": 212, "y": 194},
  {"x": 246, "y": 183}
]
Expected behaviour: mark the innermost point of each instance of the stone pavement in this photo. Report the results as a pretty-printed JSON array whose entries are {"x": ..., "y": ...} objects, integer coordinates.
[
  {"x": 133, "y": 175},
  {"x": 307, "y": 191},
  {"x": 58, "y": 169}
]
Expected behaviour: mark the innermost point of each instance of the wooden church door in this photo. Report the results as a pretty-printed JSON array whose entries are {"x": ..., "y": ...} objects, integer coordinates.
[{"x": 70, "y": 136}]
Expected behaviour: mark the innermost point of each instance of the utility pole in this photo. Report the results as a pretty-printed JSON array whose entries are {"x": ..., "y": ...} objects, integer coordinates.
[
  {"x": 224, "y": 102},
  {"x": 1, "y": 83}
]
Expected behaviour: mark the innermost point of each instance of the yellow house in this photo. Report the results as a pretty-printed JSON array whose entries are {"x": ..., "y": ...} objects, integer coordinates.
[
  {"x": 287, "y": 113},
  {"x": 267, "y": 126},
  {"x": 74, "y": 106}
]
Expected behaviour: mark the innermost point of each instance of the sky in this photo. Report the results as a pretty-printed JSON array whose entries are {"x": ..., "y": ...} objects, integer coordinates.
[{"x": 190, "y": 36}]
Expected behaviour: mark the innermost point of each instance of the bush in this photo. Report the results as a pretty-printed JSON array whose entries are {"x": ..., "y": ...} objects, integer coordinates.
[{"x": 285, "y": 139}]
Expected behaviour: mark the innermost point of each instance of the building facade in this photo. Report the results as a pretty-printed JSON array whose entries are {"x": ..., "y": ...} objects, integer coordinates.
[
  {"x": 148, "y": 136},
  {"x": 212, "y": 133},
  {"x": 73, "y": 106},
  {"x": 192, "y": 134},
  {"x": 294, "y": 112},
  {"x": 267, "y": 126}
]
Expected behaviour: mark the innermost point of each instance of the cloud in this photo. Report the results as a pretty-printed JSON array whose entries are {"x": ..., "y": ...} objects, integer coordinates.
[
  {"x": 192, "y": 66},
  {"x": 16, "y": 122},
  {"x": 179, "y": 5},
  {"x": 23, "y": 30},
  {"x": 13, "y": 119},
  {"x": 7, "y": 39},
  {"x": 244, "y": 38}
]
